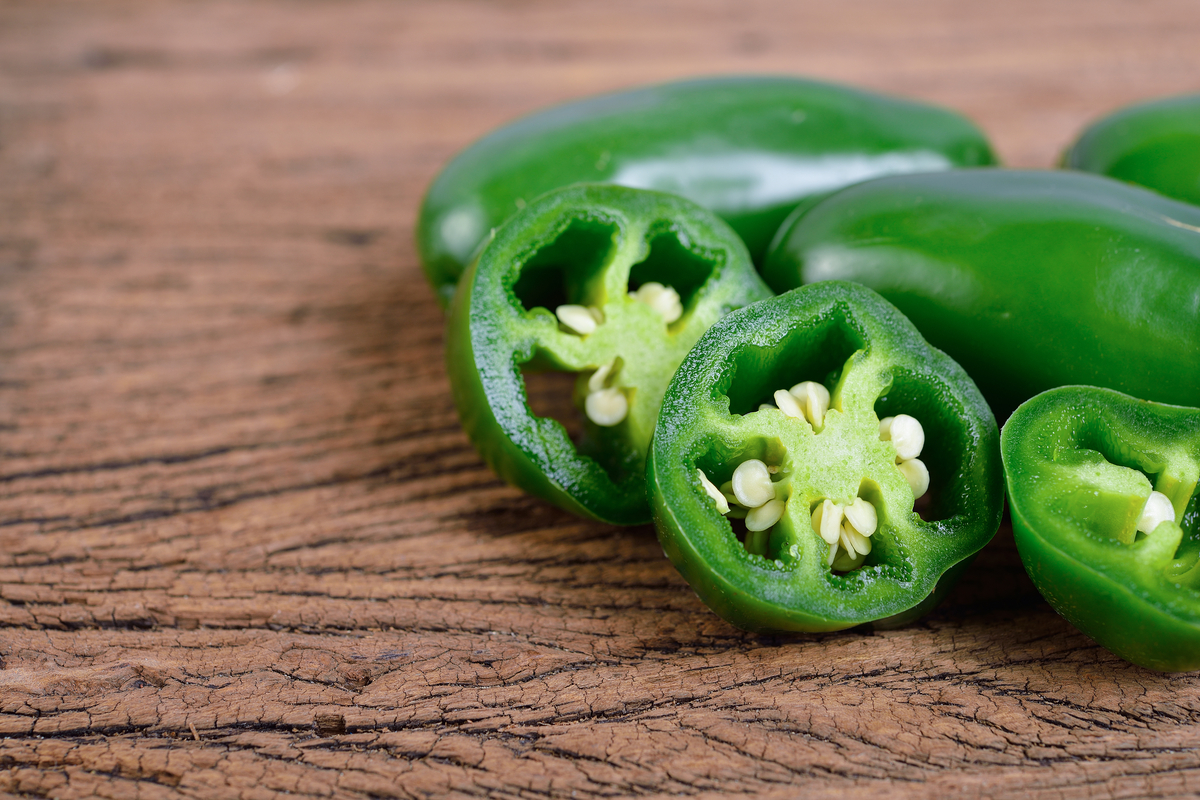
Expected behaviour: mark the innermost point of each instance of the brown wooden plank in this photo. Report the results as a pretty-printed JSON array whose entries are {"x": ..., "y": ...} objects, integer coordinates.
[{"x": 245, "y": 550}]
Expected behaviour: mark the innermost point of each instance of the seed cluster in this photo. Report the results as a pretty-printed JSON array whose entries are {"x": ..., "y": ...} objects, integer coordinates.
[
  {"x": 847, "y": 530},
  {"x": 807, "y": 400},
  {"x": 845, "y": 527},
  {"x": 605, "y": 404},
  {"x": 751, "y": 488},
  {"x": 749, "y": 494}
]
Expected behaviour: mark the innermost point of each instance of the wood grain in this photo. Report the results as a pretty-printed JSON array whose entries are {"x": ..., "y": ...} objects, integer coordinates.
[{"x": 245, "y": 550}]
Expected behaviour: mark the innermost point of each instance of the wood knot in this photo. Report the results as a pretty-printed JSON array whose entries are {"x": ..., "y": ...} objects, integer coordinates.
[
  {"x": 329, "y": 724},
  {"x": 357, "y": 677}
]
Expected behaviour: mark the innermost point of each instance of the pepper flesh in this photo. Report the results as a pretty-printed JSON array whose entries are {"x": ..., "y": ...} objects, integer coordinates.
[
  {"x": 1030, "y": 280},
  {"x": 1156, "y": 145},
  {"x": 875, "y": 364},
  {"x": 1080, "y": 463},
  {"x": 748, "y": 148},
  {"x": 587, "y": 246}
]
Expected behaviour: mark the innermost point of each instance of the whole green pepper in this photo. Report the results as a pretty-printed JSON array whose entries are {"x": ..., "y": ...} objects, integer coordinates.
[
  {"x": 1156, "y": 145},
  {"x": 1102, "y": 489},
  {"x": 814, "y": 420},
  {"x": 1030, "y": 280},
  {"x": 748, "y": 148},
  {"x": 614, "y": 285}
]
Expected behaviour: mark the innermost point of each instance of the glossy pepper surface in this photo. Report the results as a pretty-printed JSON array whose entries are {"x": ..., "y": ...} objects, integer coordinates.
[
  {"x": 1156, "y": 145},
  {"x": 1086, "y": 468},
  {"x": 748, "y": 148},
  {"x": 833, "y": 472},
  {"x": 613, "y": 285},
  {"x": 1030, "y": 280}
]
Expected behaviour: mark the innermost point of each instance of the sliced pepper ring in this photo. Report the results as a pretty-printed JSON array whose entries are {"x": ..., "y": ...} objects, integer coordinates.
[
  {"x": 1081, "y": 464},
  {"x": 568, "y": 284},
  {"x": 875, "y": 364}
]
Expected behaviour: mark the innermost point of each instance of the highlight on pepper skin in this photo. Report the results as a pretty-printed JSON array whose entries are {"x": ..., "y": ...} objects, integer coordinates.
[{"x": 748, "y": 148}]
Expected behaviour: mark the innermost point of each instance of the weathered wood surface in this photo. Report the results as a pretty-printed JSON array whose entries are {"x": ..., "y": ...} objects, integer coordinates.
[{"x": 245, "y": 550}]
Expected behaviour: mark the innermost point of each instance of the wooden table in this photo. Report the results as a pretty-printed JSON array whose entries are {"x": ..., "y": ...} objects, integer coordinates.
[{"x": 245, "y": 549}]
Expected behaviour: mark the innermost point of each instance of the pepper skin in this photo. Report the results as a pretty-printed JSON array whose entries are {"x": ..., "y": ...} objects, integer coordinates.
[
  {"x": 584, "y": 247},
  {"x": 1030, "y": 280},
  {"x": 748, "y": 148},
  {"x": 1156, "y": 145},
  {"x": 1079, "y": 462},
  {"x": 874, "y": 364}
]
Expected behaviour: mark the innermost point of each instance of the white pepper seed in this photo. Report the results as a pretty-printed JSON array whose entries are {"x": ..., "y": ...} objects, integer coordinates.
[
  {"x": 606, "y": 407},
  {"x": 1158, "y": 509},
  {"x": 766, "y": 515},
  {"x": 576, "y": 318},
  {"x": 917, "y": 475},
  {"x": 814, "y": 398},
  {"x": 827, "y": 520},
  {"x": 600, "y": 377},
  {"x": 752, "y": 483},
  {"x": 862, "y": 516},
  {"x": 713, "y": 492},
  {"x": 663, "y": 299},
  {"x": 905, "y": 433},
  {"x": 788, "y": 405}
]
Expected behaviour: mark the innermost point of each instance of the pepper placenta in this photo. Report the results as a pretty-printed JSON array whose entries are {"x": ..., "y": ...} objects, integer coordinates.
[
  {"x": 613, "y": 285},
  {"x": 1030, "y": 280},
  {"x": 1156, "y": 145},
  {"x": 1102, "y": 489},
  {"x": 748, "y": 148},
  {"x": 790, "y": 449}
]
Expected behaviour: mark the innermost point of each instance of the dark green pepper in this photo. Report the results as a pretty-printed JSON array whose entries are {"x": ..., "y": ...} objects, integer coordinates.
[
  {"x": 1030, "y": 280},
  {"x": 748, "y": 148},
  {"x": 612, "y": 284},
  {"x": 1156, "y": 145},
  {"x": 813, "y": 420},
  {"x": 1102, "y": 489}
]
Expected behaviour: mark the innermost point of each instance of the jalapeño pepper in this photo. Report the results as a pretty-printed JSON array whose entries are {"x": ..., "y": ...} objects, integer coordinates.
[
  {"x": 1156, "y": 145},
  {"x": 1102, "y": 489},
  {"x": 791, "y": 449},
  {"x": 609, "y": 283},
  {"x": 748, "y": 148},
  {"x": 1030, "y": 280}
]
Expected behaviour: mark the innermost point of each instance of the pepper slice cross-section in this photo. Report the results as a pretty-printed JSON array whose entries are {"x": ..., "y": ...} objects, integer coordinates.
[
  {"x": 876, "y": 398},
  {"x": 613, "y": 285},
  {"x": 1102, "y": 489}
]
